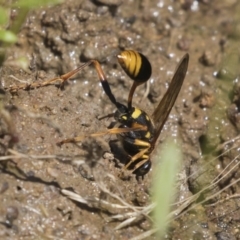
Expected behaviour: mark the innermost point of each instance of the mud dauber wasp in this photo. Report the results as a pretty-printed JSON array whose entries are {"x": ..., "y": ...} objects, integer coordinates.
[{"x": 137, "y": 130}]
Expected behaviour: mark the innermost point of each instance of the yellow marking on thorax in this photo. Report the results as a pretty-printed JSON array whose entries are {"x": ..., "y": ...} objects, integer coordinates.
[{"x": 137, "y": 112}]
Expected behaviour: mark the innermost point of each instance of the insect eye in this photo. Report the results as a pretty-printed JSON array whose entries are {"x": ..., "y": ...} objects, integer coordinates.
[{"x": 136, "y": 65}]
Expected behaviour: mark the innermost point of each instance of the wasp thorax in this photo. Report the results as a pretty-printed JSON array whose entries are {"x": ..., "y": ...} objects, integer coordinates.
[{"x": 136, "y": 65}]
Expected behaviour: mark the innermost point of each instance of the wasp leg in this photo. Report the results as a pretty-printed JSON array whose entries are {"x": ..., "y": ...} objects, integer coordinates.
[
  {"x": 27, "y": 86},
  {"x": 60, "y": 79},
  {"x": 144, "y": 158},
  {"x": 63, "y": 78},
  {"x": 98, "y": 134},
  {"x": 140, "y": 154}
]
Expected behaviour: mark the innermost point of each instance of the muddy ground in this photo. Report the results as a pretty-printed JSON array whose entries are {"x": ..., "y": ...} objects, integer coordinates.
[{"x": 204, "y": 119}]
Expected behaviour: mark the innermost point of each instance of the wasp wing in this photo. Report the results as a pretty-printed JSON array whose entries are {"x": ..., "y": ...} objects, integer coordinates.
[{"x": 163, "y": 109}]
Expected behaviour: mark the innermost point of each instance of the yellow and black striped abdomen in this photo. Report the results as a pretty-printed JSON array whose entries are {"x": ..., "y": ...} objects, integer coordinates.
[{"x": 136, "y": 65}]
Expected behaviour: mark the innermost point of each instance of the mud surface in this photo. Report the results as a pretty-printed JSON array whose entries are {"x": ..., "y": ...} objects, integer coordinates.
[{"x": 204, "y": 119}]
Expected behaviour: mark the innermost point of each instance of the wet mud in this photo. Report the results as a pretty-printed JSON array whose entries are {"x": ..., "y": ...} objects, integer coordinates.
[{"x": 204, "y": 119}]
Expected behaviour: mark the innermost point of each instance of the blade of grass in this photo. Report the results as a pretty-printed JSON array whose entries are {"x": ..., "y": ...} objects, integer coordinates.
[{"x": 164, "y": 187}]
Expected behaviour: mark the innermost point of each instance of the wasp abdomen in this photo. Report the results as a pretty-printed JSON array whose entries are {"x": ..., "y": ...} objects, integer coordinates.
[{"x": 136, "y": 65}]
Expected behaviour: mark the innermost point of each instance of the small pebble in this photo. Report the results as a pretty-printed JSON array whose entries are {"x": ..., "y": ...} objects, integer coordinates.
[{"x": 12, "y": 214}]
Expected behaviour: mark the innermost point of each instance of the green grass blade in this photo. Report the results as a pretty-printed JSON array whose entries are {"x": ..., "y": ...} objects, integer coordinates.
[{"x": 164, "y": 184}]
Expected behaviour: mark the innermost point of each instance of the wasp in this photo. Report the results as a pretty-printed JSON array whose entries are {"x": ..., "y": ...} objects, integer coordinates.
[{"x": 137, "y": 131}]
